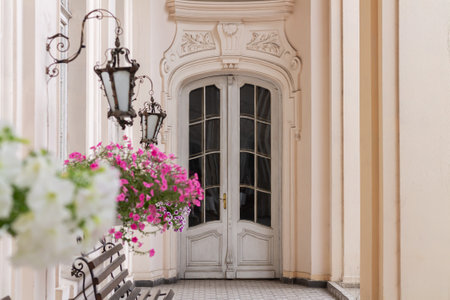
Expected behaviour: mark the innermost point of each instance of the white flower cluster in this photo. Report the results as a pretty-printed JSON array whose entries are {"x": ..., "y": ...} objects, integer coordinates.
[
  {"x": 54, "y": 209},
  {"x": 10, "y": 166}
]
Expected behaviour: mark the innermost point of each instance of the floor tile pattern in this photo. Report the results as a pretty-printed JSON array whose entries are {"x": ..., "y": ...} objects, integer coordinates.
[{"x": 243, "y": 290}]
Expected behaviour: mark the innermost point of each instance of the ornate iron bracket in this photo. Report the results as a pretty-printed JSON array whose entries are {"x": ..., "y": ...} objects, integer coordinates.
[{"x": 63, "y": 41}]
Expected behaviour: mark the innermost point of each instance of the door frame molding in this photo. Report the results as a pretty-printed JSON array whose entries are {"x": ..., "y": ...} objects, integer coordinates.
[{"x": 223, "y": 47}]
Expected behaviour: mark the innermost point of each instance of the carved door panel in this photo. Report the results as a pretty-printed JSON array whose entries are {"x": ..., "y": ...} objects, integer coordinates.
[{"x": 230, "y": 134}]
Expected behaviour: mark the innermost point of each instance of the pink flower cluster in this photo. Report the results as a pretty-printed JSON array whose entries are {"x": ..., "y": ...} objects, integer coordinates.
[{"x": 155, "y": 191}]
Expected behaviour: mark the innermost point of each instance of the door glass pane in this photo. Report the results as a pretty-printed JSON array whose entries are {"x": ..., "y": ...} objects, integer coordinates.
[
  {"x": 212, "y": 101},
  {"x": 247, "y": 204},
  {"x": 247, "y": 100},
  {"x": 247, "y": 134},
  {"x": 264, "y": 211},
  {"x": 263, "y": 104},
  {"x": 196, "y": 166},
  {"x": 212, "y": 210},
  {"x": 263, "y": 138},
  {"x": 196, "y": 215},
  {"x": 204, "y": 136},
  {"x": 196, "y": 105},
  {"x": 213, "y": 135},
  {"x": 195, "y": 139},
  {"x": 247, "y": 168},
  {"x": 263, "y": 169},
  {"x": 255, "y": 150},
  {"x": 212, "y": 168}
]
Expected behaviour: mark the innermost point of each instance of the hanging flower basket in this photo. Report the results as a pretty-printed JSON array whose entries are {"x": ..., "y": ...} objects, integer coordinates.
[{"x": 156, "y": 194}]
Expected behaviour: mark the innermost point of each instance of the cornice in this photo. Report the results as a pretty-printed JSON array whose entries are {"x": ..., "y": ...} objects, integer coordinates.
[{"x": 260, "y": 10}]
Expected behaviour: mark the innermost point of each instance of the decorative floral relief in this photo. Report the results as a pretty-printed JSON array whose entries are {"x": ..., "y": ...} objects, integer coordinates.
[
  {"x": 265, "y": 41},
  {"x": 230, "y": 28},
  {"x": 195, "y": 41}
]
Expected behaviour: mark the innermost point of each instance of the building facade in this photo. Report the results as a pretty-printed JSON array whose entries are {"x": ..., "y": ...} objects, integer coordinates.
[{"x": 319, "y": 129}]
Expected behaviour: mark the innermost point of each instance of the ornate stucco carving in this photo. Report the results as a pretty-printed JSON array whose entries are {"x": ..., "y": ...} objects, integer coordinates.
[
  {"x": 195, "y": 41},
  {"x": 230, "y": 37},
  {"x": 266, "y": 41}
]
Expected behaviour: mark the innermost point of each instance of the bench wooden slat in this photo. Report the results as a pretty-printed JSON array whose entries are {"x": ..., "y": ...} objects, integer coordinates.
[
  {"x": 155, "y": 295},
  {"x": 111, "y": 285},
  {"x": 169, "y": 295},
  {"x": 144, "y": 295},
  {"x": 122, "y": 290},
  {"x": 109, "y": 269},
  {"x": 134, "y": 294},
  {"x": 104, "y": 256}
]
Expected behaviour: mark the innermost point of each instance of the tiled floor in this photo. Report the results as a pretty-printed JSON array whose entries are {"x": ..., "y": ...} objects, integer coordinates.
[{"x": 242, "y": 290}]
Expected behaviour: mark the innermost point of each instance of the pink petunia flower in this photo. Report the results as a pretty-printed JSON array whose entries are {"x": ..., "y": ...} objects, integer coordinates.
[
  {"x": 147, "y": 185},
  {"x": 151, "y": 252},
  {"x": 121, "y": 197},
  {"x": 118, "y": 235},
  {"x": 141, "y": 226},
  {"x": 134, "y": 239}
]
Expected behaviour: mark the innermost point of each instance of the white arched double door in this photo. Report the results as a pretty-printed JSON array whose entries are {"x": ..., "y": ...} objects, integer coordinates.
[{"x": 229, "y": 136}]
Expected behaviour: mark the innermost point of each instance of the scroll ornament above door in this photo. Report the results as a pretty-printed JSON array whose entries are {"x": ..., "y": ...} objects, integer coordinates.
[
  {"x": 232, "y": 33},
  {"x": 233, "y": 37}
]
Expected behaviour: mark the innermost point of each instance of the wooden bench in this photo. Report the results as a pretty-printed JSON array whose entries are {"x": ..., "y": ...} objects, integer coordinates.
[{"x": 102, "y": 276}]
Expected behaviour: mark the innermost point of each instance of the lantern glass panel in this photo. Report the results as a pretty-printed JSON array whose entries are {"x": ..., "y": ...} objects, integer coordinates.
[
  {"x": 152, "y": 122},
  {"x": 158, "y": 127},
  {"x": 122, "y": 85},
  {"x": 108, "y": 89}
]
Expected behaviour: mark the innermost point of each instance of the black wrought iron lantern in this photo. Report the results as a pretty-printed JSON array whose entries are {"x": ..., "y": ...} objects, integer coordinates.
[
  {"x": 118, "y": 83},
  {"x": 117, "y": 76},
  {"x": 152, "y": 117}
]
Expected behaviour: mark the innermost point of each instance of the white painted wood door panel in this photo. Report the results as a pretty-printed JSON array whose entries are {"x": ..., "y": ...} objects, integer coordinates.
[{"x": 244, "y": 242}]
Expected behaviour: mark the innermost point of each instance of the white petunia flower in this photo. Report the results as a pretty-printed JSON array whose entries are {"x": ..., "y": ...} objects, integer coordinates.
[
  {"x": 41, "y": 244},
  {"x": 48, "y": 198},
  {"x": 10, "y": 164},
  {"x": 6, "y": 201},
  {"x": 36, "y": 168},
  {"x": 96, "y": 205}
]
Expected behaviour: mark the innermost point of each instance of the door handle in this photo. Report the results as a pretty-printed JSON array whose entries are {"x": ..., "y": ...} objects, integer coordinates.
[{"x": 224, "y": 200}]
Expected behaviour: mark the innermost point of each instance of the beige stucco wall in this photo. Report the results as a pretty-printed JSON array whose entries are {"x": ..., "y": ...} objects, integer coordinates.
[
  {"x": 312, "y": 154},
  {"x": 405, "y": 159},
  {"x": 424, "y": 91},
  {"x": 326, "y": 36}
]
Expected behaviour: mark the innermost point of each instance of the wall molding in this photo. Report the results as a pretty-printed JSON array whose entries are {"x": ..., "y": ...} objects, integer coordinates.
[{"x": 230, "y": 10}]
